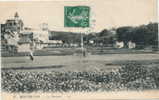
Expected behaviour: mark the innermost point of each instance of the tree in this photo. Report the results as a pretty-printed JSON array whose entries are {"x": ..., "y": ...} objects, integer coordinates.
[
  {"x": 105, "y": 37},
  {"x": 124, "y": 34},
  {"x": 146, "y": 34},
  {"x": 66, "y": 37},
  {"x": 142, "y": 35}
]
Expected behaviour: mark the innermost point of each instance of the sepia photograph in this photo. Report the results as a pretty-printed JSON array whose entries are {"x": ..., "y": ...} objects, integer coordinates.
[{"x": 79, "y": 50}]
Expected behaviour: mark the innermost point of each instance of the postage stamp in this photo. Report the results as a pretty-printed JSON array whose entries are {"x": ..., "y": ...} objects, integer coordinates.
[{"x": 76, "y": 16}]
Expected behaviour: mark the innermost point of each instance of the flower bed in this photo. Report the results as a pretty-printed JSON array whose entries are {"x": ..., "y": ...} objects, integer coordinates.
[{"x": 131, "y": 76}]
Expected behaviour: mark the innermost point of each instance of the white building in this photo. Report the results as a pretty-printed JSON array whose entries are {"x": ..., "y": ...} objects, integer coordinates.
[
  {"x": 119, "y": 44},
  {"x": 131, "y": 45},
  {"x": 41, "y": 35}
]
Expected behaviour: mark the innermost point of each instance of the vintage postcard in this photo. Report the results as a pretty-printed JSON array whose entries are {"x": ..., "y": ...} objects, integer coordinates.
[{"x": 79, "y": 50}]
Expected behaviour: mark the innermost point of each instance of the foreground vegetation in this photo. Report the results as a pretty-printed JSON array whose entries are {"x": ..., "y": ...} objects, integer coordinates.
[{"x": 132, "y": 76}]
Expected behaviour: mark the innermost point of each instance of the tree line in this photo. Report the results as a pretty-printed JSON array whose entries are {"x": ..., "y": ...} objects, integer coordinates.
[
  {"x": 144, "y": 35},
  {"x": 141, "y": 35}
]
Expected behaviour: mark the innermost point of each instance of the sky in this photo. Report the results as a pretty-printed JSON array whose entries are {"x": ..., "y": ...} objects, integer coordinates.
[{"x": 104, "y": 13}]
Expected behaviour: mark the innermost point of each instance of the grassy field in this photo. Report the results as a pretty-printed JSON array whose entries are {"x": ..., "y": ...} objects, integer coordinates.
[{"x": 77, "y": 62}]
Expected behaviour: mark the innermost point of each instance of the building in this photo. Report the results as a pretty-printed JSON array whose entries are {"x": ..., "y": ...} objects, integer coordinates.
[
  {"x": 55, "y": 43},
  {"x": 24, "y": 43},
  {"x": 14, "y": 25},
  {"x": 11, "y": 30},
  {"x": 41, "y": 35},
  {"x": 12, "y": 34},
  {"x": 119, "y": 44},
  {"x": 2, "y": 29},
  {"x": 131, "y": 45},
  {"x": 15, "y": 35}
]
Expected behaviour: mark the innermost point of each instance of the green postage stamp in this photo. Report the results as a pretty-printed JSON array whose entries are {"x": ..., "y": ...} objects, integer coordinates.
[{"x": 76, "y": 16}]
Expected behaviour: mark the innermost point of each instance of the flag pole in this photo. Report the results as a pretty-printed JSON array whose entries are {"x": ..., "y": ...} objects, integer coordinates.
[
  {"x": 82, "y": 42},
  {"x": 82, "y": 45}
]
